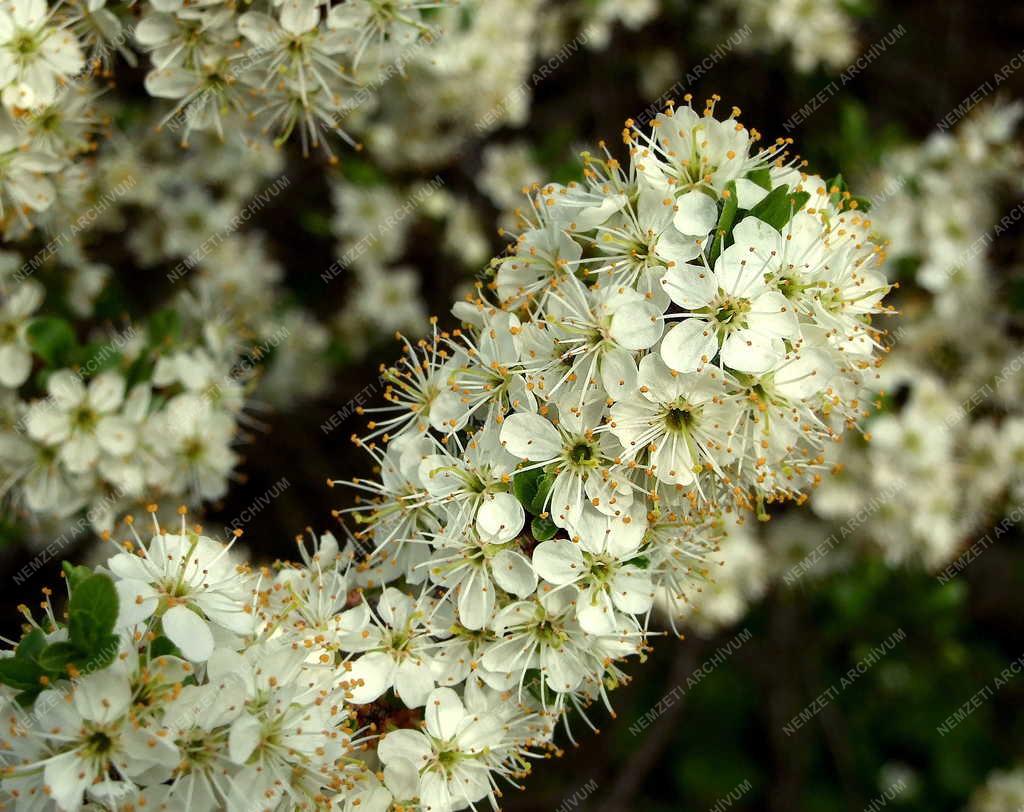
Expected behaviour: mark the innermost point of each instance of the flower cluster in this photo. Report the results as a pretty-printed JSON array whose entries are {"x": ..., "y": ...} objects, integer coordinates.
[
  {"x": 181, "y": 678},
  {"x": 149, "y": 410},
  {"x": 301, "y": 66},
  {"x": 664, "y": 345},
  {"x": 948, "y": 442},
  {"x": 820, "y": 34},
  {"x": 95, "y": 416},
  {"x": 1004, "y": 790}
]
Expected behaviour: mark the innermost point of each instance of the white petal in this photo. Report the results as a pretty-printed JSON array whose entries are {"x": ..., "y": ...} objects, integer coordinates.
[
  {"x": 79, "y": 452},
  {"x": 66, "y": 389},
  {"x": 697, "y": 213},
  {"x": 136, "y": 601},
  {"x": 299, "y": 16},
  {"x": 188, "y": 632},
  {"x": 15, "y": 365},
  {"x": 106, "y": 392},
  {"x": 116, "y": 435},
  {"x": 375, "y": 671},
  {"x": 771, "y": 313},
  {"x": 618, "y": 373},
  {"x": 413, "y": 682},
  {"x": 689, "y": 345},
  {"x": 243, "y": 738},
  {"x": 405, "y": 744},
  {"x": 513, "y": 573},
  {"x": 104, "y": 696},
  {"x": 747, "y": 351},
  {"x": 748, "y": 193},
  {"x": 476, "y": 601},
  {"x": 558, "y": 562},
  {"x": 500, "y": 517},
  {"x": 531, "y": 437},
  {"x": 690, "y": 286},
  {"x": 636, "y": 325},
  {"x": 444, "y": 712}
]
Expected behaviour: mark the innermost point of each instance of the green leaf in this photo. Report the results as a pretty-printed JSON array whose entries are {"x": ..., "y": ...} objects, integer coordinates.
[
  {"x": 525, "y": 485},
  {"x": 27, "y": 697},
  {"x": 95, "y": 357},
  {"x": 779, "y": 206},
  {"x": 31, "y": 644},
  {"x": 92, "y": 612},
  {"x": 163, "y": 647},
  {"x": 531, "y": 488},
  {"x": 52, "y": 339},
  {"x": 725, "y": 222},
  {"x": 762, "y": 177},
  {"x": 56, "y": 656},
  {"x": 863, "y": 204},
  {"x": 164, "y": 326},
  {"x": 101, "y": 656},
  {"x": 75, "y": 574},
  {"x": 838, "y": 184},
  {"x": 20, "y": 674},
  {"x": 540, "y": 498},
  {"x": 543, "y": 529}
]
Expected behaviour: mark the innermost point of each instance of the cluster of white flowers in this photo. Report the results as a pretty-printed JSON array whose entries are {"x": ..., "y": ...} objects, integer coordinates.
[
  {"x": 150, "y": 409},
  {"x": 662, "y": 347},
  {"x": 179, "y": 679},
  {"x": 1002, "y": 792},
  {"x": 473, "y": 80},
  {"x": 143, "y": 412},
  {"x": 373, "y": 222},
  {"x": 946, "y": 449},
  {"x": 301, "y": 66},
  {"x": 595, "y": 19},
  {"x": 821, "y": 33}
]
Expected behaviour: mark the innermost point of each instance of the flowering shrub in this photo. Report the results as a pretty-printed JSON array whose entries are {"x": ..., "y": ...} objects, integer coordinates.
[{"x": 664, "y": 345}]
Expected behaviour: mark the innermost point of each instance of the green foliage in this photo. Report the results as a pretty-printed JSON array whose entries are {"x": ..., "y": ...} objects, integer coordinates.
[
  {"x": 531, "y": 488},
  {"x": 543, "y": 529},
  {"x": 778, "y": 206},
  {"x": 91, "y": 643},
  {"x": 164, "y": 327},
  {"x": 52, "y": 339},
  {"x": 726, "y": 220},
  {"x": 803, "y": 643}
]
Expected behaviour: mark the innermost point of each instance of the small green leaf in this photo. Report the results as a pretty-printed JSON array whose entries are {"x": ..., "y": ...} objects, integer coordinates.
[
  {"x": 316, "y": 223},
  {"x": 20, "y": 674},
  {"x": 543, "y": 529},
  {"x": 540, "y": 498},
  {"x": 162, "y": 647},
  {"x": 56, "y": 656},
  {"x": 164, "y": 327},
  {"x": 95, "y": 357},
  {"x": 863, "y": 204},
  {"x": 101, "y": 656},
  {"x": 525, "y": 484},
  {"x": 75, "y": 574},
  {"x": 762, "y": 177},
  {"x": 836, "y": 186},
  {"x": 92, "y": 612},
  {"x": 723, "y": 234},
  {"x": 779, "y": 206},
  {"x": 31, "y": 644},
  {"x": 52, "y": 339},
  {"x": 27, "y": 697}
]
